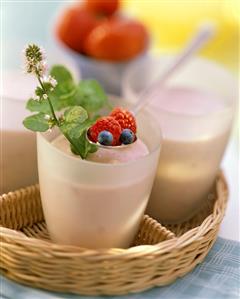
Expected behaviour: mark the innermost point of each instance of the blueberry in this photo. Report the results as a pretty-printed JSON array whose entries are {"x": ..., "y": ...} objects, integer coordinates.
[
  {"x": 127, "y": 136},
  {"x": 105, "y": 138}
]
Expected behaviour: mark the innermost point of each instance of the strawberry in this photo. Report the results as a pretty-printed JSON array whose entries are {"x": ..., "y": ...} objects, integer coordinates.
[
  {"x": 75, "y": 25},
  {"x": 107, "y": 7},
  {"x": 125, "y": 118},
  {"x": 116, "y": 39},
  {"x": 106, "y": 123}
]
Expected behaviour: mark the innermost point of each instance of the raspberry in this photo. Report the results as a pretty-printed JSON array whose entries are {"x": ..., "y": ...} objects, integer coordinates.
[
  {"x": 109, "y": 124},
  {"x": 125, "y": 119}
]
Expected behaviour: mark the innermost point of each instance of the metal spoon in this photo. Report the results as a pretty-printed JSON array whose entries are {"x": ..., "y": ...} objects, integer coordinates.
[{"x": 203, "y": 35}]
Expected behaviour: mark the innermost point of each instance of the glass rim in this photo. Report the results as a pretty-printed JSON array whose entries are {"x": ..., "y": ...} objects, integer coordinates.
[
  {"x": 228, "y": 105},
  {"x": 228, "y": 108}
]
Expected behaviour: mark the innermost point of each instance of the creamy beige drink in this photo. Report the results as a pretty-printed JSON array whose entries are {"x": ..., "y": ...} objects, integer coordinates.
[
  {"x": 195, "y": 128},
  {"x": 18, "y": 161},
  {"x": 18, "y": 152},
  {"x": 98, "y": 202}
]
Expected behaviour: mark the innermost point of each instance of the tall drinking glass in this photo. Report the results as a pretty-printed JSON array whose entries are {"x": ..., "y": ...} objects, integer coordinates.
[
  {"x": 195, "y": 111},
  {"x": 96, "y": 205},
  {"x": 18, "y": 151}
]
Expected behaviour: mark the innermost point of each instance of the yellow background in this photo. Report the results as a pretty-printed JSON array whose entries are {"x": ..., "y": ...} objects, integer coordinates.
[{"x": 172, "y": 22}]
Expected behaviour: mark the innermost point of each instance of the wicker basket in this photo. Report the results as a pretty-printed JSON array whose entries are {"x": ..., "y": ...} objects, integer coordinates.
[{"x": 163, "y": 254}]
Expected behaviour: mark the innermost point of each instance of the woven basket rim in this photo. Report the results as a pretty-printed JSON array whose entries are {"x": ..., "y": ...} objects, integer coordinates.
[{"x": 141, "y": 250}]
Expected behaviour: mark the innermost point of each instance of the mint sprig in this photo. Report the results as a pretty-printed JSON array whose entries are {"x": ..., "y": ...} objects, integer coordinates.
[
  {"x": 74, "y": 126},
  {"x": 87, "y": 93},
  {"x": 78, "y": 103},
  {"x": 37, "y": 122},
  {"x": 91, "y": 95}
]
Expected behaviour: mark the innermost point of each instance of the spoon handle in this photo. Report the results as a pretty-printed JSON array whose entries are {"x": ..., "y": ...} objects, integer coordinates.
[{"x": 203, "y": 35}]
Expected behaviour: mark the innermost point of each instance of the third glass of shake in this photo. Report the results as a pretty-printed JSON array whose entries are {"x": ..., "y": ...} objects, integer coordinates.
[{"x": 195, "y": 112}]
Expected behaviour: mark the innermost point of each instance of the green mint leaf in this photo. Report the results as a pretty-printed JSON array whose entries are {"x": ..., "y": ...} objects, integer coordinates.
[
  {"x": 61, "y": 74},
  {"x": 62, "y": 97},
  {"x": 75, "y": 114},
  {"x": 38, "y": 106},
  {"x": 82, "y": 147},
  {"x": 76, "y": 130},
  {"x": 58, "y": 101},
  {"x": 63, "y": 94},
  {"x": 85, "y": 146},
  {"x": 90, "y": 95},
  {"x": 65, "y": 87},
  {"x": 91, "y": 148},
  {"x": 36, "y": 122},
  {"x": 74, "y": 150},
  {"x": 75, "y": 122}
]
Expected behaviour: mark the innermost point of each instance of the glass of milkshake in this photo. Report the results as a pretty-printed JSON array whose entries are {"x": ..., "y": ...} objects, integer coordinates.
[
  {"x": 195, "y": 112},
  {"x": 98, "y": 202},
  {"x": 18, "y": 151}
]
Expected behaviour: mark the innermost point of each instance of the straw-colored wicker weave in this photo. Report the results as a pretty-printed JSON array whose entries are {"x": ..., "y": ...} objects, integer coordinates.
[{"x": 29, "y": 257}]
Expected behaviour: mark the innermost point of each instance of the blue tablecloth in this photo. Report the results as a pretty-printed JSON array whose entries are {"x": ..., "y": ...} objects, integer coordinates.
[{"x": 217, "y": 277}]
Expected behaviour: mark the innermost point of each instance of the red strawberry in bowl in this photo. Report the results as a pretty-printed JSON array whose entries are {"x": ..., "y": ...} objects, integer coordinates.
[
  {"x": 107, "y": 7},
  {"x": 75, "y": 25},
  {"x": 117, "y": 39}
]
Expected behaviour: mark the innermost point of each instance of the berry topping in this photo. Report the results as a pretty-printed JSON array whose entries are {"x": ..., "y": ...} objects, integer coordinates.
[
  {"x": 125, "y": 119},
  {"x": 105, "y": 138},
  {"x": 109, "y": 124},
  {"x": 127, "y": 136}
]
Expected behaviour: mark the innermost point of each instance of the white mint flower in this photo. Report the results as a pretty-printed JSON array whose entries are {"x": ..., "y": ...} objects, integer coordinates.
[
  {"x": 29, "y": 66},
  {"x": 34, "y": 60},
  {"x": 50, "y": 80},
  {"x": 53, "y": 81},
  {"x": 47, "y": 117},
  {"x": 45, "y": 79},
  {"x": 35, "y": 64},
  {"x": 36, "y": 98},
  {"x": 41, "y": 68}
]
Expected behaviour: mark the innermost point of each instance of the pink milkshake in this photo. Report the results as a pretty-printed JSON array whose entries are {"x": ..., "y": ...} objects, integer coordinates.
[
  {"x": 98, "y": 202},
  {"x": 110, "y": 156},
  {"x": 18, "y": 152},
  {"x": 196, "y": 127}
]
